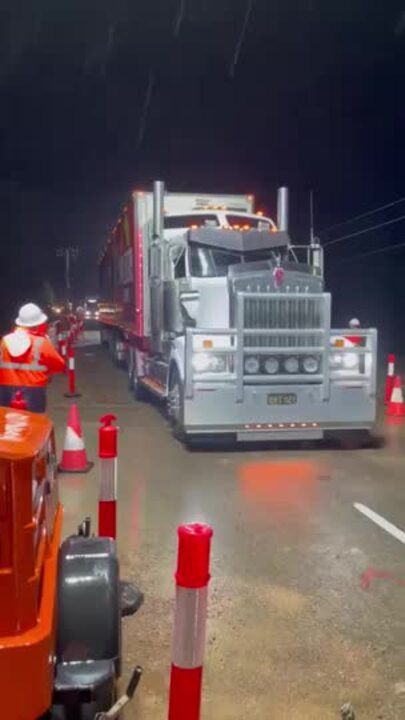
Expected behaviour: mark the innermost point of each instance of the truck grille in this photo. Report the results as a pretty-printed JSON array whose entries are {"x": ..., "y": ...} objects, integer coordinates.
[{"x": 284, "y": 313}]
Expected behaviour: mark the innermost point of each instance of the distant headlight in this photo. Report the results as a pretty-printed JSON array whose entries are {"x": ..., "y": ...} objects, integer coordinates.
[
  {"x": 252, "y": 365},
  {"x": 271, "y": 365},
  {"x": 310, "y": 364},
  {"x": 87, "y": 314},
  {"x": 209, "y": 363},
  {"x": 291, "y": 365}
]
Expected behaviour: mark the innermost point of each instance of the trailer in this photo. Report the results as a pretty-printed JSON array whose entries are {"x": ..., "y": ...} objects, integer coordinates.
[{"x": 211, "y": 307}]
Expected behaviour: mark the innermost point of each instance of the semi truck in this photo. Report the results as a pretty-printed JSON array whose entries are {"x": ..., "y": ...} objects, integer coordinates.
[{"x": 211, "y": 307}]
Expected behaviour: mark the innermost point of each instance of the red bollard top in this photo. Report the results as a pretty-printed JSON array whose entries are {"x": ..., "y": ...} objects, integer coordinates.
[
  {"x": 107, "y": 436},
  {"x": 193, "y": 560},
  {"x": 70, "y": 351},
  {"x": 391, "y": 358}
]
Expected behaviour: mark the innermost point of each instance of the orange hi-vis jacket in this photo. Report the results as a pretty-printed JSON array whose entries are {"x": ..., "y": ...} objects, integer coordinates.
[{"x": 27, "y": 359}]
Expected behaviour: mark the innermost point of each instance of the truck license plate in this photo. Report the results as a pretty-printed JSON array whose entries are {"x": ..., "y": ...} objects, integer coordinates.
[{"x": 282, "y": 399}]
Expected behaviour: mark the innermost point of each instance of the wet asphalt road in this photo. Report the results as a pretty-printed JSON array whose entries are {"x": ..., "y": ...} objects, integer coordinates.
[{"x": 307, "y": 599}]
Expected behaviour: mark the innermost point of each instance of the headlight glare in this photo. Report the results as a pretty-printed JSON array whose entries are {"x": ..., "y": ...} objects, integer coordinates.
[
  {"x": 209, "y": 363},
  {"x": 350, "y": 360}
]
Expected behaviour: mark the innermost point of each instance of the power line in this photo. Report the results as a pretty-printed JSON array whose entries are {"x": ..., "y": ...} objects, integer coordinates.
[
  {"x": 363, "y": 215},
  {"x": 241, "y": 38},
  {"x": 365, "y": 230},
  {"x": 374, "y": 252}
]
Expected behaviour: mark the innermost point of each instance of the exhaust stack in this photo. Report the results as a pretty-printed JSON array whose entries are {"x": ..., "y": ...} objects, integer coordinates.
[
  {"x": 158, "y": 209},
  {"x": 282, "y": 209}
]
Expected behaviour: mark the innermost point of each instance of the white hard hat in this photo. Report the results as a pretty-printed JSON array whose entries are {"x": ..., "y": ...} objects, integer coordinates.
[
  {"x": 354, "y": 323},
  {"x": 30, "y": 315}
]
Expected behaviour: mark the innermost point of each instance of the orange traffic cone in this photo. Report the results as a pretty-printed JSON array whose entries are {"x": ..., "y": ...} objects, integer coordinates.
[
  {"x": 74, "y": 456},
  {"x": 396, "y": 405}
]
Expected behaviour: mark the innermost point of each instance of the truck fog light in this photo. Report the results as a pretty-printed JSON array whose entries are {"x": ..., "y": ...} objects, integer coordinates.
[
  {"x": 271, "y": 365},
  {"x": 252, "y": 365},
  {"x": 310, "y": 364},
  {"x": 291, "y": 365}
]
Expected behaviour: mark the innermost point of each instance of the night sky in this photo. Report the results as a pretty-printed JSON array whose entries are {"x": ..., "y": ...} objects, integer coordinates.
[{"x": 233, "y": 95}]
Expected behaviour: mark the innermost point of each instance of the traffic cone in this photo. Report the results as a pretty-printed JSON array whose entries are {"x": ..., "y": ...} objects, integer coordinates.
[
  {"x": 74, "y": 456},
  {"x": 396, "y": 405}
]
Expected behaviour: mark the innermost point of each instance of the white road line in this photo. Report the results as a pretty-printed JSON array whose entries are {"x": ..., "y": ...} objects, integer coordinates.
[{"x": 381, "y": 522}]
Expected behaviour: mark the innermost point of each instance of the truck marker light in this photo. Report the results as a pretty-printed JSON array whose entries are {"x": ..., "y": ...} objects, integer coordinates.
[{"x": 207, "y": 344}]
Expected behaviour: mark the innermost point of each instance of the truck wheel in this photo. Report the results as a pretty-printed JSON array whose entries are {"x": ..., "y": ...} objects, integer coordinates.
[
  {"x": 175, "y": 404},
  {"x": 138, "y": 390}
]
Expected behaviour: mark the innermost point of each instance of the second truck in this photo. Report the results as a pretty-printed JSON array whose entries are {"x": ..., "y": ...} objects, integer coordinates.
[{"x": 211, "y": 307}]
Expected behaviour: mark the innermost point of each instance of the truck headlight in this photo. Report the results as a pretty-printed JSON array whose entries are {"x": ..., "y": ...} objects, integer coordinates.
[
  {"x": 350, "y": 360},
  {"x": 291, "y": 365},
  {"x": 271, "y": 365},
  {"x": 209, "y": 363},
  {"x": 252, "y": 365},
  {"x": 310, "y": 364}
]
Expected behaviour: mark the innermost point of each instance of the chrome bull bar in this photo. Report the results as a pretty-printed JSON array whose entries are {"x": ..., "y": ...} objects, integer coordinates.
[{"x": 323, "y": 339}]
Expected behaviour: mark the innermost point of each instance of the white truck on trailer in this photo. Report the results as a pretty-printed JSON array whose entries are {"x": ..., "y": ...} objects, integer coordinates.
[{"x": 211, "y": 307}]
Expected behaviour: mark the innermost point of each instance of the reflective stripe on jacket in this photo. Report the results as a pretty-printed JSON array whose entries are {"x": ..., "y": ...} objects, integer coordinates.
[{"x": 32, "y": 367}]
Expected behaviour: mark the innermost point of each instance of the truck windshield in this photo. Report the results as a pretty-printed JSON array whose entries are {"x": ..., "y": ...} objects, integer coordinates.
[
  {"x": 214, "y": 262},
  {"x": 211, "y": 262}
]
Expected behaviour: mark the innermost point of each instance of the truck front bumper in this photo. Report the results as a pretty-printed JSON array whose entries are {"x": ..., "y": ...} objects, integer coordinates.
[{"x": 214, "y": 409}]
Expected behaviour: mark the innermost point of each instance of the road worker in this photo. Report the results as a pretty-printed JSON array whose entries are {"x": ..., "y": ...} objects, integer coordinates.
[{"x": 28, "y": 359}]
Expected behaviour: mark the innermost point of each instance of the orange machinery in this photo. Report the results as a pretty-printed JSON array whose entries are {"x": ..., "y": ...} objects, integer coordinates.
[{"x": 60, "y": 604}]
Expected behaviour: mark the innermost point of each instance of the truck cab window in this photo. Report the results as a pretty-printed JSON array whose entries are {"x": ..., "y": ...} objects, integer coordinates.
[
  {"x": 180, "y": 266},
  {"x": 211, "y": 262},
  {"x": 172, "y": 222}
]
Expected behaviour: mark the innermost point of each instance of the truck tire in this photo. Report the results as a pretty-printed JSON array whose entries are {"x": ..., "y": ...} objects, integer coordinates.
[
  {"x": 175, "y": 404},
  {"x": 135, "y": 387},
  {"x": 118, "y": 361},
  {"x": 89, "y": 621},
  {"x": 104, "y": 336}
]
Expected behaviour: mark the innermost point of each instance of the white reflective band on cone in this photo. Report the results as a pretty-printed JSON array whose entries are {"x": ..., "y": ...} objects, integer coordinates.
[
  {"x": 71, "y": 363},
  {"x": 189, "y": 627},
  {"x": 108, "y": 483},
  {"x": 390, "y": 368},
  {"x": 72, "y": 440}
]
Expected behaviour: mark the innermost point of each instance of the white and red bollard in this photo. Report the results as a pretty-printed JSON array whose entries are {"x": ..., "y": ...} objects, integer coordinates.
[
  {"x": 63, "y": 348},
  {"x": 192, "y": 578},
  {"x": 59, "y": 336},
  {"x": 18, "y": 402},
  {"x": 389, "y": 383},
  {"x": 71, "y": 370},
  {"x": 107, "y": 452}
]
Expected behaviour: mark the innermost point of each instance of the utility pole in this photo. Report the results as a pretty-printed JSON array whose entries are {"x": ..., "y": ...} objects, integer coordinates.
[{"x": 69, "y": 253}]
